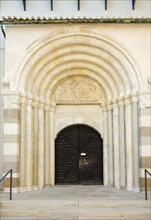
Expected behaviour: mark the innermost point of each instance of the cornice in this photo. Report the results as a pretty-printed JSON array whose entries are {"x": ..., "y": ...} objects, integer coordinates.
[{"x": 84, "y": 20}]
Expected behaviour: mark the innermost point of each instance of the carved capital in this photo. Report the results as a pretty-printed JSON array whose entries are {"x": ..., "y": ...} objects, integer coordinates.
[
  {"x": 41, "y": 103},
  {"x": 22, "y": 98},
  {"x": 109, "y": 106},
  {"x": 29, "y": 99},
  {"x": 115, "y": 103},
  {"x": 104, "y": 108},
  {"x": 52, "y": 107},
  {"x": 47, "y": 105},
  {"x": 121, "y": 101},
  {"x": 35, "y": 102},
  {"x": 134, "y": 98},
  {"x": 127, "y": 100}
]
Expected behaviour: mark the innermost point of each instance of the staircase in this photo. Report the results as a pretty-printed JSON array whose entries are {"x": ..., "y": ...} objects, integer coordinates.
[
  {"x": 76, "y": 202},
  {"x": 76, "y": 209}
]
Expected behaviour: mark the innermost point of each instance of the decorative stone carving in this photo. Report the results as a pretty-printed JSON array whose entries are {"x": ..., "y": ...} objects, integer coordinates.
[
  {"x": 15, "y": 101},
  {"x": 144, "y": 99},
  {"x": 78, "y": 90},
  {"x": 149, "y": 80},
  {"x": 146, "y": 102},
  {"x": 11, "y": 102},
  {"x": 5, "y": 84}
]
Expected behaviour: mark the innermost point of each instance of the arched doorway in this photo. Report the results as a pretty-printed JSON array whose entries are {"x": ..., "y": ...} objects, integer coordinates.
[
  {"x": 79, "y": 156},
  {"x": 82, "y": 88}
]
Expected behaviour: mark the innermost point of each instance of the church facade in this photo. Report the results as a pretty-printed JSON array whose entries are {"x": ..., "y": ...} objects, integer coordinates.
[{"x": 76, "y": 101}]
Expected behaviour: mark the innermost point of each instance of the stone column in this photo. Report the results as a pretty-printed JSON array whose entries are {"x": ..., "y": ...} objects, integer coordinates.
[
  {"x": 22, "y": 170},
  {"x": 116, "y": 145},
  {"x": 128, "y": 136},
  {"x": 52, "y": 145},
  {"x": 105, "y": 150},
  {"x": 110, "y": 145},
  {"x": 29, "y": 143},
  {"x": 135, "y": 144},
  {"x": 122, "y": 144},
  {"x": 35, "y": 144},
  {"x": 41, "y": 144},
  {"x": 47, "y": 144}
]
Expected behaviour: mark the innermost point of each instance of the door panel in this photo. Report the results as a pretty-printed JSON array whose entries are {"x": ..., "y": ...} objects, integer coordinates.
[
  {"x": 79, "y": 156},
  {"x": 90, "y": 164},
  {"x": 67, "y": 156}
]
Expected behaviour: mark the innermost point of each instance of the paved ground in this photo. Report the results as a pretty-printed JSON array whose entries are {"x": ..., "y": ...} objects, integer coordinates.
[
  {"x": 77, "y": 192},
  {"x": 82, "y": 202}
]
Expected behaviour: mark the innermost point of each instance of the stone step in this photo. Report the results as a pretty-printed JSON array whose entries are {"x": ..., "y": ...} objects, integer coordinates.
[
  {"x": 76, "y": 209},
  {"x": 75, "y": 218},
  {"x": 93, "y": 203},
  {"x": 137, "y": 213}
]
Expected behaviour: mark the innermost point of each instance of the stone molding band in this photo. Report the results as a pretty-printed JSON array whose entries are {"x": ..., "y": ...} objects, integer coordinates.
[
  {"x": 15, "y": 20},
  {"x": 40, "y": 102}
]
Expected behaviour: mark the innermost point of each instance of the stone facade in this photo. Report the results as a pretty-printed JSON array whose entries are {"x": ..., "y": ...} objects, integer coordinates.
[{"x": 60, "y": 75}]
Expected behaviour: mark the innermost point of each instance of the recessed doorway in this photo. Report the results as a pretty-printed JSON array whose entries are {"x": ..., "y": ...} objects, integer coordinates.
[{"x": 79, "y": 156}]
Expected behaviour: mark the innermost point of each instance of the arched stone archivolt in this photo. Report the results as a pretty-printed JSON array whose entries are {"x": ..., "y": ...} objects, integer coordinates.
[
  {"x": 68, "y": 60},
  {"x": 50, "y": 55}
]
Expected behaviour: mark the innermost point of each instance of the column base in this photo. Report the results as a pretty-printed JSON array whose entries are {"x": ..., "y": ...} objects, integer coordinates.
[
  {"x": 47, "y": 186},
  {"x": 28, "y": 188},
  {"x": 130, "y": 189},
  {"x": 35, "y": 188},
  {"x": 136, "y": 190},
  {"x": 14, "y": 190},
  {"x": 117, "y": 187},
  {"x": 22, "y": 189}
]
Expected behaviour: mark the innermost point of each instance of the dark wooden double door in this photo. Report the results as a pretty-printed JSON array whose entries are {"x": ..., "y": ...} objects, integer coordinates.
[{"x": 78, "y": 156}]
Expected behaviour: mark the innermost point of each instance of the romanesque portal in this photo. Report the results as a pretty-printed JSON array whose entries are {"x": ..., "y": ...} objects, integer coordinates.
[{"x": 76, "y": 77}]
